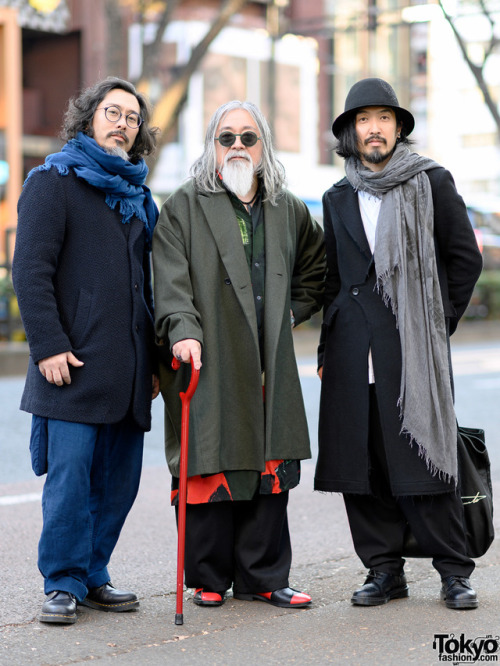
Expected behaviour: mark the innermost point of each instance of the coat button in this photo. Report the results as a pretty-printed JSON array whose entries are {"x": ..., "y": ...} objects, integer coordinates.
[
  {"x": 227, "y": 281},
  {"x": 354, "y": 291}
]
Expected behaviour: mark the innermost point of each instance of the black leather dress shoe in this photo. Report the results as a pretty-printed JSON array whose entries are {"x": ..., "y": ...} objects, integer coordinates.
[
  {"x": 379, "y": 588},
  {"x": 457, "y": 593},
  {"x": 59, "y": 607},
  {"x": 106, "y": 598},
  {"x": 283, "y": 598}
]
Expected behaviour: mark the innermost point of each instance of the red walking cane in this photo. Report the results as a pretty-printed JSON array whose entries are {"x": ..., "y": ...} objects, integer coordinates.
[{"x": 181, "y": 520}]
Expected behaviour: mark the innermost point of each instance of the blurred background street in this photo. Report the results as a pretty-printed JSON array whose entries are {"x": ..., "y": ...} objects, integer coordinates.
[{"x": 296, "y": 59}]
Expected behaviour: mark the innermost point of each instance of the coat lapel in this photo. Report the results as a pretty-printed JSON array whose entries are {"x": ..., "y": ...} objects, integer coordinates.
[
  {"x": 277, "y": 278},
  {"x": 221, "y": 219},
  {"x": 345, "y": 201}
]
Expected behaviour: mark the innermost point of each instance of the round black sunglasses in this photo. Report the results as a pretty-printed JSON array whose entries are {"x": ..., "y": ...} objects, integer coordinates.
[{"x": 227, "y": 139}]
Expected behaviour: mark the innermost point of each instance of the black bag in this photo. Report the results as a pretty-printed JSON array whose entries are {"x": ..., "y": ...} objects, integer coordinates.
[{"x": 474, "y": 480}]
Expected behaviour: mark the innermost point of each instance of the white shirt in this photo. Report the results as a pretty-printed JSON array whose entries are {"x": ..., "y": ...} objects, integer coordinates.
[{"x": 369, "y": 207}]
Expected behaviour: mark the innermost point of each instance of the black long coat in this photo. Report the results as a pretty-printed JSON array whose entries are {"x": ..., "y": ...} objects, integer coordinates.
[
  {"x": 82, "y": 280},
  {"x": 356, "y": 320}
]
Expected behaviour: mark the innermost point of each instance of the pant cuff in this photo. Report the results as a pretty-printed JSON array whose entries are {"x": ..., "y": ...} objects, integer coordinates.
[
  {"x": 98, "y": 579},
  {"x": 66, "y": 584},
  {"x": 258, "y": 589}
]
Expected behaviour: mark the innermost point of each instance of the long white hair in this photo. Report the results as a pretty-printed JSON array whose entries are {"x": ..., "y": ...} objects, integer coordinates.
[{"x": 270, "y": 169}]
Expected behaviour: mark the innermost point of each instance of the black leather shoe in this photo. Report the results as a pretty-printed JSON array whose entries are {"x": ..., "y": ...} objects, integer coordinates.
[
  {"x": 379, "y": 588},
  {"x": 204, "y": 598},
  {"x": 283, "y": 598},
  {"x": 106, "y": 598},
  {"x": 457, "y": 593},
  {"x": 59, "y": 607}
]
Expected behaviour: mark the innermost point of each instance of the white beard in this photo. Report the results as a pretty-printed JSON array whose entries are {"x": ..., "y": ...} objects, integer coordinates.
[
  {"x": 118, "y": 152},
  {"x": 238, "y": 175}
]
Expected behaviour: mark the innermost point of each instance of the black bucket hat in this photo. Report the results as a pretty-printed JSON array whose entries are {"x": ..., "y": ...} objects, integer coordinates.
[{"x": 372, "y": 92}]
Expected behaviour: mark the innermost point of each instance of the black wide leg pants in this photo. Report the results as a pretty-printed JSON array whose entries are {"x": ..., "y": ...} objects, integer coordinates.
[
  {"x": 378, "y": 521},
  {"x": 245, "y": 544}
]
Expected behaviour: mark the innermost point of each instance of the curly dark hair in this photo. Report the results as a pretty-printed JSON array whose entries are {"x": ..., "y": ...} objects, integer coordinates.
[
  {"x": 81, "y": 109},
  {"x": 347, "y": 139}
]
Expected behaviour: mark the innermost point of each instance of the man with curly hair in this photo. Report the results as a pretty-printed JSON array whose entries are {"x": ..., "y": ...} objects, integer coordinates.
[{"x": 82, "y": 277}]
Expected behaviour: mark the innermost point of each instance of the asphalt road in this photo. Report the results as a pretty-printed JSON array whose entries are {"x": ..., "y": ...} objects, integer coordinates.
[{"x": 418, "y": 630}]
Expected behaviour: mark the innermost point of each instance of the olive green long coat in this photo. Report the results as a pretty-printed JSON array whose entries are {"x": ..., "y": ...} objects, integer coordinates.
[{"x": 203, "y": 291}]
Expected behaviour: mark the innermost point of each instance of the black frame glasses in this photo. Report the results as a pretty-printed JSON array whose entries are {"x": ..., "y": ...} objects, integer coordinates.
[
  {"x": 227, "y": 139},
  {"x": 113, "y": 113}
]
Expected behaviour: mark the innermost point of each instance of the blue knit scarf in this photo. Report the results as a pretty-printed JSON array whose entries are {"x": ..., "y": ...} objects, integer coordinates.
[{"x": 121, "y": 181}]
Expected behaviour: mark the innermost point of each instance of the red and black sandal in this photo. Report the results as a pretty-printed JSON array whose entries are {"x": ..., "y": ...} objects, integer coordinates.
[
  {"x": 284, "y": 598},
  {"x": 204, "y": 598}
]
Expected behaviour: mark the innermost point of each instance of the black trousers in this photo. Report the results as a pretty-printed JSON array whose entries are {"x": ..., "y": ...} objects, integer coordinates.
[
  {"x": 378, "y": 521},
  {"x": 245, "y": 544}
]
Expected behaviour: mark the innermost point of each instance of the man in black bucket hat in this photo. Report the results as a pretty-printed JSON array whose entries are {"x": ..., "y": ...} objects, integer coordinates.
[
  {"x": 372, "y": 92},
  {"x": 402, "y": 264}
]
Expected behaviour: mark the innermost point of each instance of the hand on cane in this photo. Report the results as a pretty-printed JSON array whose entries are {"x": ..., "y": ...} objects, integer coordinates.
[{"x": 186, "y": 349}]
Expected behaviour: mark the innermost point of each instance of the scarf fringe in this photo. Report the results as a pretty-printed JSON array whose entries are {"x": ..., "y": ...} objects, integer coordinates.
[
  {"x": 446, "y": 477},
  {"x": 386, "y": 298},
  {"x": 62, "y": 169},
  {"x": 127, "y": 210}
]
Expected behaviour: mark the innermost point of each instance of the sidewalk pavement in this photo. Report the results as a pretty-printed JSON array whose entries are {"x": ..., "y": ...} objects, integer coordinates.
[
  {"x": 418, "y": 630},
  {"x": 332, "y": 631}
]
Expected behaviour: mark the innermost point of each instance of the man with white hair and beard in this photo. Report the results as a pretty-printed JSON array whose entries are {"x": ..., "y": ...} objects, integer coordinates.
[{"x": 238, "y": 261}]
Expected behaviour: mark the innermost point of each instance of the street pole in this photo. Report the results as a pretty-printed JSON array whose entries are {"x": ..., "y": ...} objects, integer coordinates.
[{"x": 10, "y": 120}]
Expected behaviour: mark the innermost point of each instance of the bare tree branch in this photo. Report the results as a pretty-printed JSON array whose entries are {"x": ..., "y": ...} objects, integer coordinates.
[
  {"x": 151, "y": 52},
  {"x": 170, "y": 104},
  {"x": 478, "y": 70},
  {"x": 167, "y": 109}
]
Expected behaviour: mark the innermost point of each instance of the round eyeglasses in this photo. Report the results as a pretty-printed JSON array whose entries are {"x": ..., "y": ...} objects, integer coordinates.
[
  {"x": 113, "y": 114},
  {"x": 227, "y": 139}
]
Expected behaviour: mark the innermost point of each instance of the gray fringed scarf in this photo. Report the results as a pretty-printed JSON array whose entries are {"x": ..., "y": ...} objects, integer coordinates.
[{"x": 407, "y": 278}]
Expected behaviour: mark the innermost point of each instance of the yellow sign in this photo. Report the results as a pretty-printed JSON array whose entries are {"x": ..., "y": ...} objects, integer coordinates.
[{"x": 45, "y": 6}]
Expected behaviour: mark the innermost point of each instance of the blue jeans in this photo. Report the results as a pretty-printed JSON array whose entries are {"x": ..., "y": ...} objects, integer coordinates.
[{"x": 92, "y": 481}]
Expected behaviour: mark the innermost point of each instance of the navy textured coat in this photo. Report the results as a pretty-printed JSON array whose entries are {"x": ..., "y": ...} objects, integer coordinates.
[
  {"x": 82, "y": 280},
  {"x": 356, "y": 320}
]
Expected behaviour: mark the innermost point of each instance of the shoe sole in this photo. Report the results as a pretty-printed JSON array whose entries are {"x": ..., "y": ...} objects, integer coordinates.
[
  {"x": 461, "y": 605},
  {"x": 110, "y": 608},
  {"x": 379, "y": 601},
  {"x": 57, "y": 618},
  {"x": 257, "y": 597}
]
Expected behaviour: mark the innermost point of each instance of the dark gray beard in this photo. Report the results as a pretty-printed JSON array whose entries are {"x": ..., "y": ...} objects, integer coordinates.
[{"x": 377, "y": 156}]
